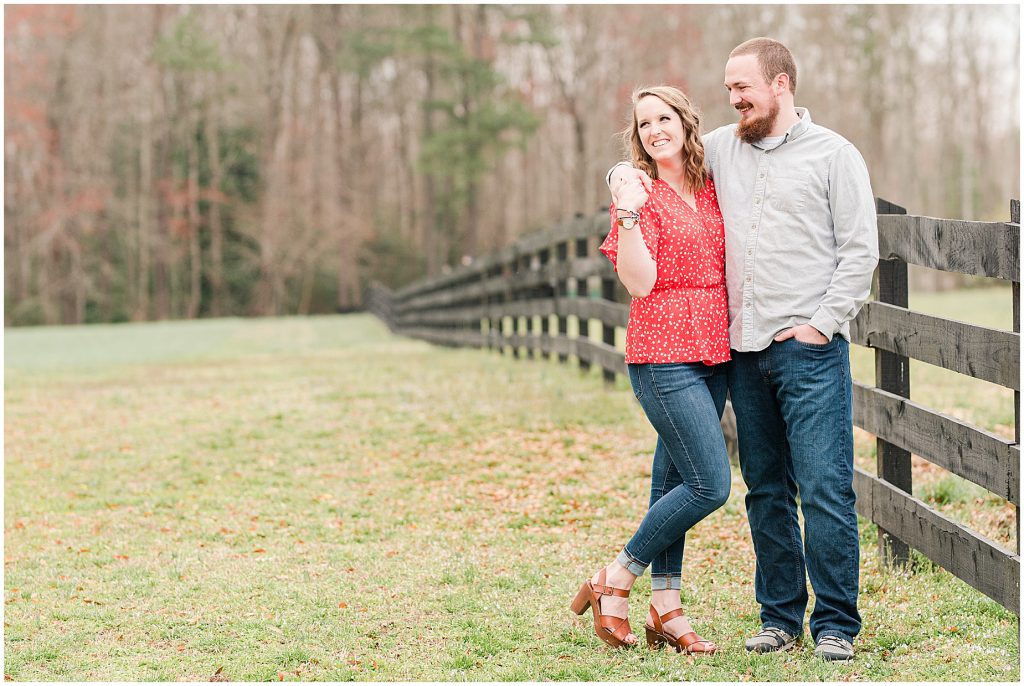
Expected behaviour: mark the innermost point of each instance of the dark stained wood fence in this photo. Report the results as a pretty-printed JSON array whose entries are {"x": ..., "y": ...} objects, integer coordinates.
[{"x": 525, "y": 299}]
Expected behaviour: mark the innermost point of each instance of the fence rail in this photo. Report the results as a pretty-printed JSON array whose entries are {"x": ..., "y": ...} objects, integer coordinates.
[{"x": 522, "y": 298}]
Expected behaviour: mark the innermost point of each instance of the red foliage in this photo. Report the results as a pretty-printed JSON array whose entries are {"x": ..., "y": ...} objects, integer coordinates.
[{"x": 41, "y": 21}]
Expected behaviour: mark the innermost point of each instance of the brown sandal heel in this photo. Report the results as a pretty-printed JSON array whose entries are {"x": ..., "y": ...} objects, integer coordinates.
[
  {"x": 689, "y": 643},
  {"x": 611, "y": 630}
]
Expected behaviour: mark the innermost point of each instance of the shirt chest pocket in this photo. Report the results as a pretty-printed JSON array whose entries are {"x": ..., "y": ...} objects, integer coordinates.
[{"x": 788, "y": 192}]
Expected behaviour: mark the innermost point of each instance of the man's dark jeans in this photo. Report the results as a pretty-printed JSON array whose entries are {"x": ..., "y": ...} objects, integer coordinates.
[{"x": 794, "y": 419}]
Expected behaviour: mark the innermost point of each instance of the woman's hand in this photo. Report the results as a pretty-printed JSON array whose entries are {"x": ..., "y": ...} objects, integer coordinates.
[
  {"x": 631, "y": 195},
  {"x": 622, "y": 175}
]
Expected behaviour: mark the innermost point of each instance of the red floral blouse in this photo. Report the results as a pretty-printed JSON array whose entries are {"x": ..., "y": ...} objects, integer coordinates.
[{"x": 685, "y": 317}]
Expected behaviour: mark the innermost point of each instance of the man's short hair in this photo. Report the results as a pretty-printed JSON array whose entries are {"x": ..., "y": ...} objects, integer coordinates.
[{"x": 774, "y": 58}]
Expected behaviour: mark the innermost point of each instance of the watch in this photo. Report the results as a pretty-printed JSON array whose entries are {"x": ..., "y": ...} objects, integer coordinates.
[{"x": 629, "y": 221}]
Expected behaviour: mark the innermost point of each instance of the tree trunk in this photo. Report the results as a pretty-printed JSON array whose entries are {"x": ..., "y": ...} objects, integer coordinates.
[
  {"x": 195, "y": 255},
  {"x": 215, "y": 267}
]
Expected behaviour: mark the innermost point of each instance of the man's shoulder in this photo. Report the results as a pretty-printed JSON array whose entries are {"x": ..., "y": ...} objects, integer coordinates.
[
  {"x": 822, "y": 135},
  {"x": 716, "y": 134}
]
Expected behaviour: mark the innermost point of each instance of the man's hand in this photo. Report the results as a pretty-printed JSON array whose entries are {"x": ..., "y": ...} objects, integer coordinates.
[
  {"x": 622, "y": 175},
  {"x": 805, "y": 333}
]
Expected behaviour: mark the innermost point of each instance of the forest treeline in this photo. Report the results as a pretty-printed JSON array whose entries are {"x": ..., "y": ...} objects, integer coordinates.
[{"x": 201, "y": 161}]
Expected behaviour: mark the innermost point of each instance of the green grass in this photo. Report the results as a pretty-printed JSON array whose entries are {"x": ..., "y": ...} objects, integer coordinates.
[{"x": 315, "y": 499}]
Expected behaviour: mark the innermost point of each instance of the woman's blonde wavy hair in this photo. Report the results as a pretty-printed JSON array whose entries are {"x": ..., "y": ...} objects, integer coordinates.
[{"x": 694, "y": 174}]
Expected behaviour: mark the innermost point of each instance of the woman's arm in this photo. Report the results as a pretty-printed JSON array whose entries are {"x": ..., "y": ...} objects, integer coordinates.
[{"x": 637, "y": 269}]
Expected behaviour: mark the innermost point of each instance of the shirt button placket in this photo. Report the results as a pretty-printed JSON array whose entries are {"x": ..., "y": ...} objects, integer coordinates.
[{"x": 748, "y": 259}]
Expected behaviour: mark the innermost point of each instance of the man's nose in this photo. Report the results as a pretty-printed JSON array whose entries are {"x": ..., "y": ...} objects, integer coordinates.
[{"x": 734, "y": 99}]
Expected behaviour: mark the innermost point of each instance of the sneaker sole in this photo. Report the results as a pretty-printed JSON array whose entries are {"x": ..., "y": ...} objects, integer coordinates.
[
  {"x": 835, "y": 658},
  {"x": 782, "y": 649}
]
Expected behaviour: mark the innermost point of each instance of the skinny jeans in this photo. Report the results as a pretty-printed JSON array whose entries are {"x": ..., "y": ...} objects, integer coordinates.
[{"x": 690, "y": 476}]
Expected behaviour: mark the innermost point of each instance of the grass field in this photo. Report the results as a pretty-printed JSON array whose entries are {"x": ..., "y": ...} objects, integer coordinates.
[{"x": 316, "y": 499}]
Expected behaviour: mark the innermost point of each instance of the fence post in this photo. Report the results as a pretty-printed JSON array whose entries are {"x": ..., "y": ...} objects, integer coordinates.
[
  {"x": 493, "y": 299},
  {"x": 892, "y": 373},
  {"x": 608, "y": 330},
  {"x": 582, "y": 248},
  {"x": 1015, "y": 219},
  {"x": 533, "y": 324},
  {"x": 548, "y": 293},
  {"x": 562, "y": 254}
]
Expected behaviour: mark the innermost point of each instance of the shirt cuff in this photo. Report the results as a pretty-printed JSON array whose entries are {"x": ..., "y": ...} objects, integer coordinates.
[
  {"x": 608, "y": 176},
  {"x": 825, "y": 324}
]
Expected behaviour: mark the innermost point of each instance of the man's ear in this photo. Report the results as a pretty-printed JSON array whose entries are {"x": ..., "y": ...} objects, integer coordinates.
[{"x": 781, "y": 83}]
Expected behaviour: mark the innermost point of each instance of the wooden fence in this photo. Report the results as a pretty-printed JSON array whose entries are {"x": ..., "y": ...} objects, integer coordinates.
[{"x": 524, "y": 299}]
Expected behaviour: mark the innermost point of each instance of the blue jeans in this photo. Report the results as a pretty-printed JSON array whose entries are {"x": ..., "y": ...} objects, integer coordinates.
[
  {"x": 690, "y": 477},
  {"x": 794, "y": 420}
]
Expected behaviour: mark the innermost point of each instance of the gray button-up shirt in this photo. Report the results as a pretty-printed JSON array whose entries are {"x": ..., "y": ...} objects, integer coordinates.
[{"x": 801, "y": 238}]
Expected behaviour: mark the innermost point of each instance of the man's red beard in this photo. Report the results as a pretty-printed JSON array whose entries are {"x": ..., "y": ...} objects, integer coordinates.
[{"x": 753, "y": 129}]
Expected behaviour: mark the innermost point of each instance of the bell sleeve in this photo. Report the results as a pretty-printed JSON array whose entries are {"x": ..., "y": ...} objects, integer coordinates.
[{"x": 648, "y": 228}]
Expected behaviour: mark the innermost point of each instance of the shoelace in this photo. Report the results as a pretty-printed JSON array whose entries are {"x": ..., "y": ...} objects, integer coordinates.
[{"x": 833, "y": 640}]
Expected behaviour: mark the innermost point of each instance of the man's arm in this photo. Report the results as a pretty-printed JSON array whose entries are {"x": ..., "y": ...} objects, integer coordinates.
[
  {"x": 608, "y": 176},
  {"x": 856, "y": 230}
]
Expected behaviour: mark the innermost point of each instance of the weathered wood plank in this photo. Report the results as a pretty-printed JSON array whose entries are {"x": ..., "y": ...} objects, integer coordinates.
[
  {"x": 520, "y": 281},
  {"x": 582, "y": 227},
  {"x": 982, "y": 563},
  {"x": 474, "y": 339},
  {"x": 988, "y": 354},
  {"x": 984, "y": 458},
  {"x": 608, "y": 313},
  {"x": 892, "y": 373},
  {"x": 952, "y": 245}
]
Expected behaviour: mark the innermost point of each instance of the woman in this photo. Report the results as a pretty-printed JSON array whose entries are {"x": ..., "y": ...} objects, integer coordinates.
[{"x": 669, "y": 252}]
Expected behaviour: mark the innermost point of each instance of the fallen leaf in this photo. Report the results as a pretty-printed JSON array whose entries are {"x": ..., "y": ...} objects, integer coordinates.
[
  {"x": 342, "y": 604},
  {"x": 120, "y": 557},
  {"x": 259, "y": 550},
  {"x": 280, "y": 676}
]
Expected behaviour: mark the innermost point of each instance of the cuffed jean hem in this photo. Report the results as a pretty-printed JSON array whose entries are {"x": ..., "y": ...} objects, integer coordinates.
[
  {"x": 666, "y": 583},
  {"x": 833, "y": 632},
  {"x": 632, "y": 565}
]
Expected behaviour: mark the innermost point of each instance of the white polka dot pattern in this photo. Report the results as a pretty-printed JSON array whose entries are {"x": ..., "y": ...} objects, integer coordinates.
[{"x": 685, "y": 317}]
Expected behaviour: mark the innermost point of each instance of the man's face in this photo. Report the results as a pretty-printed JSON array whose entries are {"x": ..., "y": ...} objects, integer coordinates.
[{"x": 754, "y": 99}]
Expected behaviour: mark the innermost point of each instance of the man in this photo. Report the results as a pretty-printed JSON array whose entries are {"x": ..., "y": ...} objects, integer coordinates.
[{"x": 801, "y": 248}]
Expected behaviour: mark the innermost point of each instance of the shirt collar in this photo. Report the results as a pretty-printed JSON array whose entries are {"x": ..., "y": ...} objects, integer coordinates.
[{"x": 797, "y": 129}]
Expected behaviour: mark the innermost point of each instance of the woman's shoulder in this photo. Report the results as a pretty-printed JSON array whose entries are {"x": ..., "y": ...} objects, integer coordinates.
[{"x": 709, "y": 187}]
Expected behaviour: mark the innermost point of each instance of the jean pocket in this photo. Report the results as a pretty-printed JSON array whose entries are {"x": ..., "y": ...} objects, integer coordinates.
[
  {"x": 815, "y": 346},
  {"x": 634, "y": 381}
]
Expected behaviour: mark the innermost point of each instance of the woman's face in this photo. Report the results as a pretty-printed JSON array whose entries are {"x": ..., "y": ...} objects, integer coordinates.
[{"x": 661, "y": 129}]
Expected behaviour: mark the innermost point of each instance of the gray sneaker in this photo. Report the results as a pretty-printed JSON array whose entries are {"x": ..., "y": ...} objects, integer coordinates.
[
  {"x": 834, "y": 648},
  {"x": 770, "y": 640}
]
